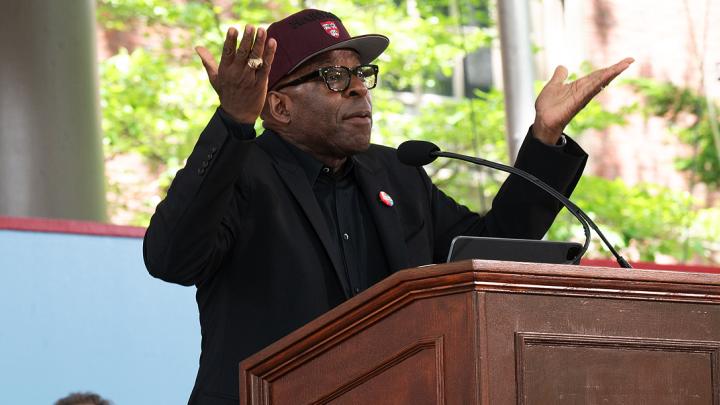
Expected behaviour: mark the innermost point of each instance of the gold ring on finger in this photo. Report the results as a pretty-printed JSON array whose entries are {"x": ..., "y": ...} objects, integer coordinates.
[{"x": 255, "y": 63}]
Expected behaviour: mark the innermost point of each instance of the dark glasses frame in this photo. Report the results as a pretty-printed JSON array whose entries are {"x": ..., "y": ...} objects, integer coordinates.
[{"x": 323, "y": 71}]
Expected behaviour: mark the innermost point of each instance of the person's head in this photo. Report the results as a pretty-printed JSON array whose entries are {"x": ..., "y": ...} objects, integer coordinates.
[
  {"x": 318, "y": 89},
  {"x": 85, "y": 398}
]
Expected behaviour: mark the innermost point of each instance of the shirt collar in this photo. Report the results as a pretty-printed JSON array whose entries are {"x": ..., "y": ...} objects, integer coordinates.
[{"x": 313, "y": 167}]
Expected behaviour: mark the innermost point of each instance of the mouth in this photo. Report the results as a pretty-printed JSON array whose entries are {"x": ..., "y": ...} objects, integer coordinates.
[{"x": 359, "y": 117}]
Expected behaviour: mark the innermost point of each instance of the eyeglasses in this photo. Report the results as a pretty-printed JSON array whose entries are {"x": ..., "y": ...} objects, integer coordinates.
[{"x": 337, "y": 78}]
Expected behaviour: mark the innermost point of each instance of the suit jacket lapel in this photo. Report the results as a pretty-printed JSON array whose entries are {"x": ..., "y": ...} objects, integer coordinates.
[
  {"x": 296, "y": 180},
  {"x": 372, "y": 179}
]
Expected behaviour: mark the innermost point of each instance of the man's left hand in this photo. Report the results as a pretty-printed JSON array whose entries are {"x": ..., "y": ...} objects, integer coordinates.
[{"x": 559, "y": 102}]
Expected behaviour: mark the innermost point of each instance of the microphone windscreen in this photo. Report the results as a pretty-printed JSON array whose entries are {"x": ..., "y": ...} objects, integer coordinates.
[{"x": 417, "y": 153}]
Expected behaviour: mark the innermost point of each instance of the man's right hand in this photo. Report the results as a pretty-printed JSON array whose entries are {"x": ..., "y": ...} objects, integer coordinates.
[{"x": 241, "y": 89}]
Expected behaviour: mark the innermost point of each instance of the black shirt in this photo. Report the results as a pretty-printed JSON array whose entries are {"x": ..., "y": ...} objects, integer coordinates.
[
  {"x": 349, "y": 220},
  {"x": 355, "y": 237}
]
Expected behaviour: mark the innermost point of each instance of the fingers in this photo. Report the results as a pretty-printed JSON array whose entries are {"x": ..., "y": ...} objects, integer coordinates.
[
  {"x": 627, "y": 62},
  {"x": 228, "y": 54},
  {"x": 207, "y": 59},
  {"x": 269, "y": 55},
  {"x": 560, "y": 74},
  {"x": 589, "y": 86},
  {"x": 208, "y": 62},
  {"x": 258, "y": 47},
  {"x": 253, "y": 48},
  {"x": 603, "y": 77},
  {"x": 618, "y": 68},
  {"x": 245, "y": 44}
]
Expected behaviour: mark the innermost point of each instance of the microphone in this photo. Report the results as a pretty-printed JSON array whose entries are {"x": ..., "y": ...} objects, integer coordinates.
[
  {"x": 417, "y": 153},
  {"x": 420, "y": 153}
]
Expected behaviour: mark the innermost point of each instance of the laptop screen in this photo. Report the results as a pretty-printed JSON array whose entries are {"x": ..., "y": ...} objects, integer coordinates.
[{"x": 517, "y": 250}]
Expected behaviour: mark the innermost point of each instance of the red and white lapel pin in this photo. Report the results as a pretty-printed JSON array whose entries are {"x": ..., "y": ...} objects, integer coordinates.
[{"x": 386, "y": 199}]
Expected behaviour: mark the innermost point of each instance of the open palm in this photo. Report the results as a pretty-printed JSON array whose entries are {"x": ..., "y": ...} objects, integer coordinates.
[
  {"x": 559, "y": 102},
  {"x": 241, "y": 87}
]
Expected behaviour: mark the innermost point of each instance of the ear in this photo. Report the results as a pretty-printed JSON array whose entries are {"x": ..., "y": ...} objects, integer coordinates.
[{"x": 278, "y": 107}]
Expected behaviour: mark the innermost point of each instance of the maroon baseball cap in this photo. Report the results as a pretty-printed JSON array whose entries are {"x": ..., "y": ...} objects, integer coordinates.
[{"x": 311, "y": 32}]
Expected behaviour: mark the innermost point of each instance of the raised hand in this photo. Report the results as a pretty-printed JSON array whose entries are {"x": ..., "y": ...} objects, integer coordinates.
[
  {"x": 240, "y": 86},
  {"x": 559, "y": 102}
]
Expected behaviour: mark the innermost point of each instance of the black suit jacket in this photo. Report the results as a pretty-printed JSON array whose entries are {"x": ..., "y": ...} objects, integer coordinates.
[{"x": 241, "y": 222}]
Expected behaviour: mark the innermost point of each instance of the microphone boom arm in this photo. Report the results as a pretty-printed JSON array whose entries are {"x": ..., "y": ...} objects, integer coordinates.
[{"x": 574, "y": 209}]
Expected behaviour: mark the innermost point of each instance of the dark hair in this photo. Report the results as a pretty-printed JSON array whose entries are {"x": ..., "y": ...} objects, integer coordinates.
[{"x": 83, "y": 398}]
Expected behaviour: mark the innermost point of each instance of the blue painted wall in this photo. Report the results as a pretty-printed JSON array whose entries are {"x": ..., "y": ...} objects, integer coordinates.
[{"x": 81, "y": 313}]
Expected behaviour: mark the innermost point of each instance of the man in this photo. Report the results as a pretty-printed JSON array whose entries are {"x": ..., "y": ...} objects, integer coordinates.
[
  {"x": 276, "y": 230},
  {"x": 82, "y": 398}
]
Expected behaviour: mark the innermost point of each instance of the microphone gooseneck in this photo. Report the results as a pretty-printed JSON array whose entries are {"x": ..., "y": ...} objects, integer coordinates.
[{"x": 420, "y": 153}]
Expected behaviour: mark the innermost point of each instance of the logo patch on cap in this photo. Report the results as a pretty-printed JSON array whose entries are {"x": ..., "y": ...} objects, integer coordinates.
[{"x": 331, "y": 28}]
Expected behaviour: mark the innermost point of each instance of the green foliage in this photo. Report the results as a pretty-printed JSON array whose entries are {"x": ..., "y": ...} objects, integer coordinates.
[
  {"x": 593, "y": 116},
  {"x": 645, "y": 220},
  {"x": 689, "y": 119},
  {"x": 423, "y": 42},
  {"x": 262, "y": 11},
  {"x": 151, "y": 108},
  {"x": 156, "y": 100},
  {"x": 649, "y": 221},
  {"x": 471, "y": 126},
  {"x": 197, "y": 18}
]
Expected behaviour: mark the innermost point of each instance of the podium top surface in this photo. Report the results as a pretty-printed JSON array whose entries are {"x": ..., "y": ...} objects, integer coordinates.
[{"x": 498, "y": 276}]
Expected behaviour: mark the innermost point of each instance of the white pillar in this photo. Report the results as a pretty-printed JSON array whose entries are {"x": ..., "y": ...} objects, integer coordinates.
[
  {"x": 50, "y": 148},
  {"x": 517, "y": 66}
]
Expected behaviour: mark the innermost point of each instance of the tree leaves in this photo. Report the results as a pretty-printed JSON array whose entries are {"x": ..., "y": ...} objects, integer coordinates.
[
  {"x": 689, "y": 119},
  {"x": 156, "y": 100}
]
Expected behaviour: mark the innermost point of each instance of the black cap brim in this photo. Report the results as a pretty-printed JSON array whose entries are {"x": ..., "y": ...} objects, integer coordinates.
[{"x": 369, "y": 47}]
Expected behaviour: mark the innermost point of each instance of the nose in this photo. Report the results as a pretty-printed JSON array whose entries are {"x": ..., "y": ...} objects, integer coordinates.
[{"x": 356, "y": 87}]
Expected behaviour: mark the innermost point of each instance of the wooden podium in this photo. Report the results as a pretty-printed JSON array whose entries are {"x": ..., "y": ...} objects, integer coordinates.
[{"x": 489, "y": 332}]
